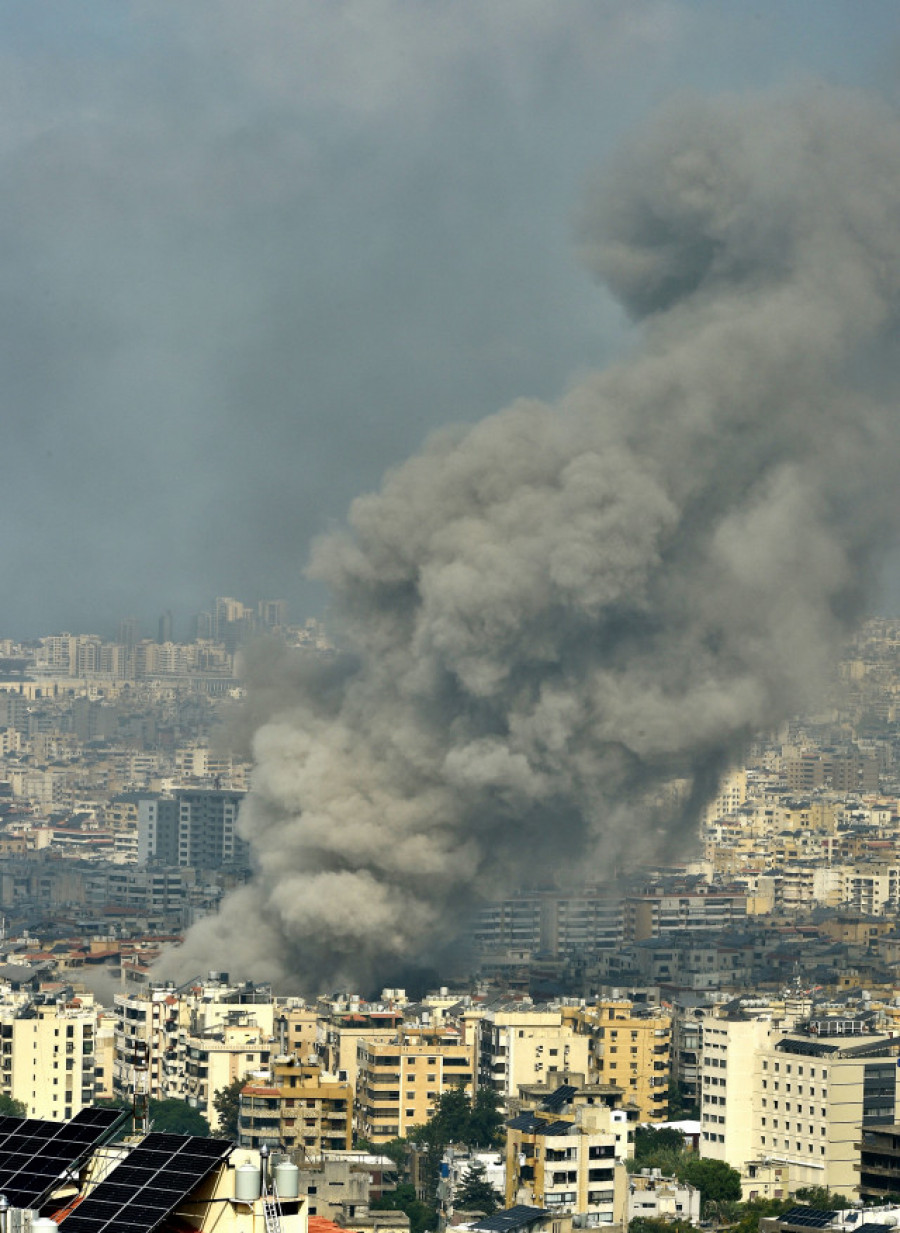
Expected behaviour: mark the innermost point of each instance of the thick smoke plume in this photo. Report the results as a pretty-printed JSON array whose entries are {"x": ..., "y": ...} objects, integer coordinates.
[{"x": 556, "y": 613}]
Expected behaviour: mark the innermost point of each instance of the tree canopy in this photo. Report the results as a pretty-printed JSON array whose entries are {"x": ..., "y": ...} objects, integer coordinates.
[
  {"x": 421, "y": 1217},
  {"x": 178, "y": 1118},
  {"x": 227, "y": 1104},
  {"x": 657, "y": 1148},
  {"x": 715, "y": 1179},
  {"x": 475, "y": 1193},
  {"x": 12, "y": 1108},
  {"x": 656, "y": 1224}
]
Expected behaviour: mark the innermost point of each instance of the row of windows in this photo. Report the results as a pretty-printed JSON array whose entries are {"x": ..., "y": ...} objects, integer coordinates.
[
  {"x": 787, "y": 1068},
  {"x": 797, "y": 1145},
  {"x": 798, "y": 1129},
  {"x": 787, "y": 1087}
]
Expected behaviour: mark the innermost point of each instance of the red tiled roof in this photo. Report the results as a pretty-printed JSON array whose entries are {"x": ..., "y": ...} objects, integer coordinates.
[{"x": 318, "y": 1224}]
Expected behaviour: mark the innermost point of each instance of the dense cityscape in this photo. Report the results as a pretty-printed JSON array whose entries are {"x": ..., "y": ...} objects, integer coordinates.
[
  {"x": 743, "y": 1002},
  {"x": 515, "y": 847}
]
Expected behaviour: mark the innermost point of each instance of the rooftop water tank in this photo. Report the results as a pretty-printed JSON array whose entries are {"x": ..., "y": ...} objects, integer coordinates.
[
  {"x": 247, "y": 1183},
  {"x": 287, "y": 1180}
]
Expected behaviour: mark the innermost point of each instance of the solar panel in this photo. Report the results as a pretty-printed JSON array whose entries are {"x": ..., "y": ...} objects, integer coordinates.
[
  {"x": 807, "y": 1218},
  {"x": 35, "y": 1156},
  {"x": 137, "y": 1195}
]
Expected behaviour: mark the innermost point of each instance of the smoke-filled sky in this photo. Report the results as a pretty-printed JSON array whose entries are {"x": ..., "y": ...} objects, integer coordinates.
[
  {"x": 560, "y": 612},
  {"x": 254, "y": 253}
]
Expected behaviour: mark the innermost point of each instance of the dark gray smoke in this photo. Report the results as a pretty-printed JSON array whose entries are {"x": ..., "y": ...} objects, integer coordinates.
[{"x": 560, "y": 612}]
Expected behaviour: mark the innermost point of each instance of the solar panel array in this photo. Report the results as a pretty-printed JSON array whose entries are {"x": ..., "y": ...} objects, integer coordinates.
[
  {"x": 559, "y": 1098},
  {"x": 36, "y": 1156},
  {"x": 807, "y": 1218},
  {"x": 150, "y": 1183}
]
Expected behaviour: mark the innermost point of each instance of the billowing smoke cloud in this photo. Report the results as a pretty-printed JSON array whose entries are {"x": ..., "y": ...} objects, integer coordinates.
[{"x": 560, "y": 611}]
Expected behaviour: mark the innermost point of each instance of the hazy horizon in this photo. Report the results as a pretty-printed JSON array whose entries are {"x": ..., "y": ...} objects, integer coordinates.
[{"x": 256, "y": 255}]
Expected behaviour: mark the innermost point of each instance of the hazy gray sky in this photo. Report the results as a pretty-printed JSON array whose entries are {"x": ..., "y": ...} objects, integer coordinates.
[{"x": 254, "y": 253}]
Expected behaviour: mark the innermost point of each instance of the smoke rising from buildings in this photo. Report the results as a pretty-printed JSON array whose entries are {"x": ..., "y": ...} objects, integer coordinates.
[{"x": 558, "y": 612}]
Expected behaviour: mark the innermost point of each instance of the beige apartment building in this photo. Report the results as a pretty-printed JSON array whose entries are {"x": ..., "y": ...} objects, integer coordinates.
[
  {"x": 518, "y": 1046},
  {"x": 339, "y": 1036},
  {"x": 398, "y": 1082},
  {"x": 210, "y": 1062},
  {"x": 814, "y": 1092},
  {"x": 301, "y": 1108},
  {"x": 731, "y": 1047},
  {"x": 570, "y": 1164},
  {"x": 47, "y": 1058},
  {"x": 631, "y": 1048}
]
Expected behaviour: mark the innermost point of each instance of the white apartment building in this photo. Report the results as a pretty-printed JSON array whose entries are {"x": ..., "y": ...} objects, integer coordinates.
[
  {"x": 654, "y": 1197},
  {"x": 187, "y": 1044},
  {"x": 517, "y": 1046}
]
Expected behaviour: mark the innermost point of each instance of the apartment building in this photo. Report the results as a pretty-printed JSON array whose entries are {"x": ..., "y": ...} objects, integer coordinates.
[
  {"x": 654, "y": 1197},
  {"x": 300, "y": 1108},
  {"x": 570, "y": 1164},
  {"x": 519, "y": 1045},
  {"x": 194, "y": 827},
  {"x": 341, "y": 1031},
  {"x": 552, "y": 923},
  {"x": 47, "y": 1058},
  {"x": 399, "y": 1082},
  {"x": 146, "y": 1032},
  {"x": 814, "y": 1093},
  {"x": 630, "y": 1048},
  {"x": 202, "y": 1065},
  {"x": 702, "y": 909},
  {"x": 189, "y": 1043},
  {"x": 879, "y": 1163},
  {"x": 731, "y": 1046}
]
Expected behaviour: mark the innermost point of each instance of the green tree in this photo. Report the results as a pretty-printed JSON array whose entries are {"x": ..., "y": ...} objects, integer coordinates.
[
  {"x": 421, "y": 1217},
  {"x": 649, "y": 1141},
  {"x": 451, "y": 1121},
  {"x": 654, "y": 1224},
  {"x": 486, "y": 1119},
  {"x": 475, "y": 1192},
  {"x": 680, "y": 1105},
  {"x": 12, "y": 1108},
  {"x": 716, "y": 1180},
  {"x": 177, "y": 1118},
  {"x": 751, "y": 1213},
  {"x": 821, "y": 1198},
  {"x": 227, "y": 1104}
]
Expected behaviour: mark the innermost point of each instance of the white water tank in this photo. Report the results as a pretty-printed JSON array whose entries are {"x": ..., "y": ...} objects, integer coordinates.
[
  {"x": 247, "y": 1183},
  {"x": 287, "y": 1180},
  {"x": 43, "y": 1224}
]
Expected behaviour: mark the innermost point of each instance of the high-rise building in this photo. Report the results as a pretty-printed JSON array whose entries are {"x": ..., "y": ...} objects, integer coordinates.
[
  {"x": 129, "y": 632},
  {"x": 195, "y": 827},
  {"x": 165, "y": 628}
]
